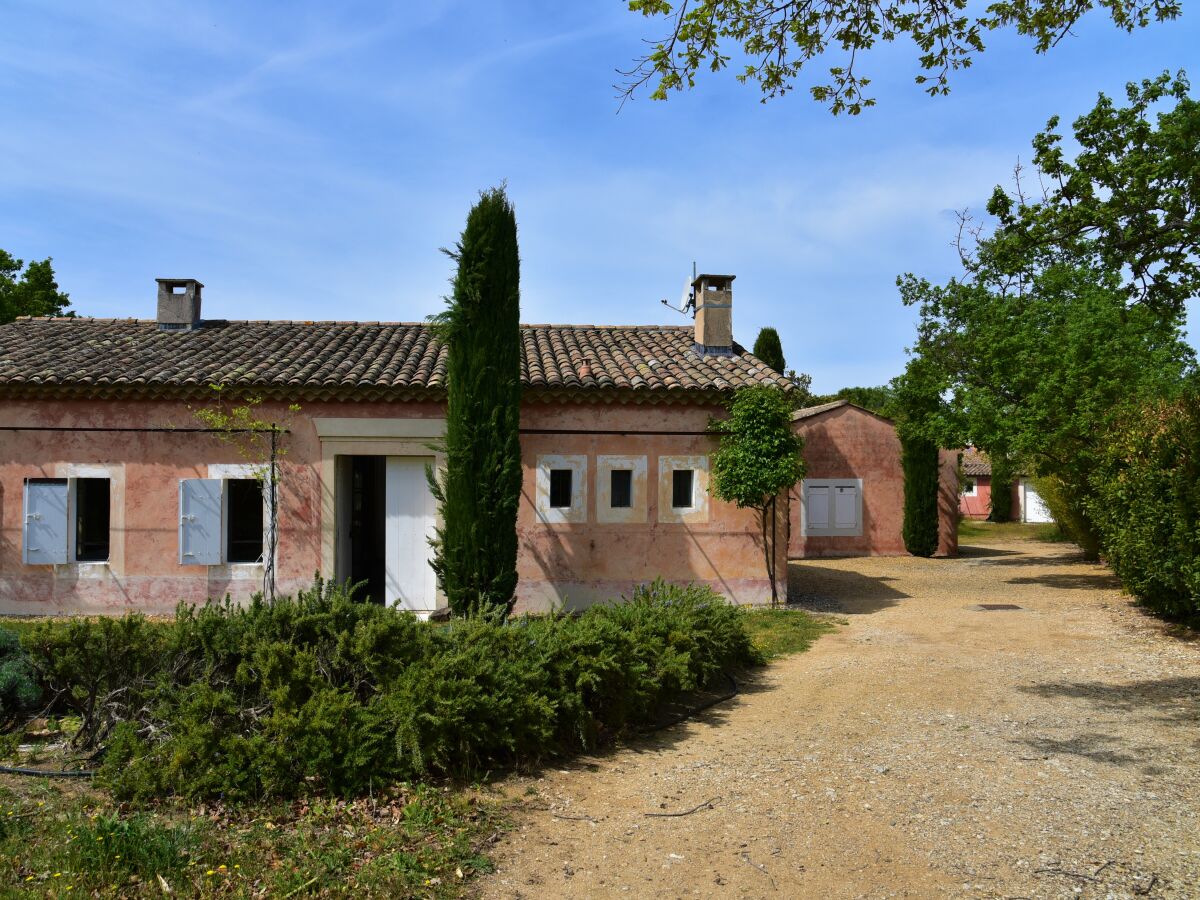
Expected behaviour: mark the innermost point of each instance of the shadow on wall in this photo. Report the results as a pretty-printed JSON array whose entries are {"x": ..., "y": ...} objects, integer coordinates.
[
  {"x": 850, "y": 592},
  {"x": 829, "y": 461}
]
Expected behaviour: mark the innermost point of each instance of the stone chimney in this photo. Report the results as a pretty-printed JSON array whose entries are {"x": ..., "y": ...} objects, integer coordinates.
[
  {"x": 714, "y": 314},
  {"x": 178, "y": 303}
]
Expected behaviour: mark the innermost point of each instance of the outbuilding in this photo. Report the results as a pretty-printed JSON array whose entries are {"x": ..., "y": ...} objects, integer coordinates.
[{"x": 851, "y": 500}]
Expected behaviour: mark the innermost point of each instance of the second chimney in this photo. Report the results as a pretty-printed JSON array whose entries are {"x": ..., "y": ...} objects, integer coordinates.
[
  {"x": 714, "y": 314},
  {"x": 178, "y": 303}
]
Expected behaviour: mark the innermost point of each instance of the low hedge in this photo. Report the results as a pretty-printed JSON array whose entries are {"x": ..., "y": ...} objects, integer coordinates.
[{"x": 323, "y": 693}]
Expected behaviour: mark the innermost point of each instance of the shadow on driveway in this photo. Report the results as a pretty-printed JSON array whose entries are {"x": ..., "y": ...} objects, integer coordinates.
[{"x": 811, "y": 584}]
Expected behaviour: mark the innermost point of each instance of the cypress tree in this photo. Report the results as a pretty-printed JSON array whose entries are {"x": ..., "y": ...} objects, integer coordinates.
[
  {"x": 475, "y": 550},
  {"x": 919, "y": 457},
  {"x": 769, "y": 349},
  {"x": 1002, "y": 482}
]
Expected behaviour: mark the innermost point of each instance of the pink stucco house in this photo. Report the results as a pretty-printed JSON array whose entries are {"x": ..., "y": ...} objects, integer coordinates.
[
  {"x": 851, "y": 499},
  {"x": 112, "y": 498}
]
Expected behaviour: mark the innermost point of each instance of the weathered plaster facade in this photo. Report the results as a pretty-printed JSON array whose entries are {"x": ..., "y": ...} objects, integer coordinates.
[{"x": 571, "y": 562}]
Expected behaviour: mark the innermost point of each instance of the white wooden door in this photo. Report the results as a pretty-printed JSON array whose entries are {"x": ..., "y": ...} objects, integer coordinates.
[
  {"x": 1033, "y": 507},
  {"x": 409, "y": 580}
]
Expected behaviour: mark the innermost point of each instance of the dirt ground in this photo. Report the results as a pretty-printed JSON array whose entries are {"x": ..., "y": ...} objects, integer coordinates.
[{"x": 928, "y": 748}]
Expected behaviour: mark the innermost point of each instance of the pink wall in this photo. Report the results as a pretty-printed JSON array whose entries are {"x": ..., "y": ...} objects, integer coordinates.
[
  {"x": 980, "y": 506},
  {"x": 572, "y": 563},
  {"x": 848, "y": 442},
  {"x": 593, "y": 561}
]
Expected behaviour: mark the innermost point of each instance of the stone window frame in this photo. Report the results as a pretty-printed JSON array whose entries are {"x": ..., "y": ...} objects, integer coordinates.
[
  {"x": 638, "y": 510},
  {"x": 576, "y": 513},
  {"x": 668, "y": 464}
]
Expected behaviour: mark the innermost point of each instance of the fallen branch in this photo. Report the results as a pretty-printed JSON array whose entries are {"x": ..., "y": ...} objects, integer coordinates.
[
  {"x": 745, "y": 857},
  {"x": 707, "y": 804},
  {"x": 1078, "y": 875},
  {"x": 1144, "y": 892},
  {"x": 1103, "y": 867},
  {"x": 572, "y": 818}
]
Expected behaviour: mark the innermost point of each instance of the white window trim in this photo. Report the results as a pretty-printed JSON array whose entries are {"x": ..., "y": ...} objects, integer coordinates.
[
  {"x": 683, "y": 515},
  {"x": 621, "y": 515},
  {"x": 561, "y": 515},
  {"x": 973, "y": 491},
  {"x": 856, "y": 531}
]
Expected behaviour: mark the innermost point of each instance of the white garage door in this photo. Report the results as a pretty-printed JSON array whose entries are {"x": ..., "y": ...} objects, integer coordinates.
[{"x": 1033, "y": 507}]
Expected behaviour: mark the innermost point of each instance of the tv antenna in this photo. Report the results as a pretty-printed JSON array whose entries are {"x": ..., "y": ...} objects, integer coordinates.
[{"x": 687, "y": 300}]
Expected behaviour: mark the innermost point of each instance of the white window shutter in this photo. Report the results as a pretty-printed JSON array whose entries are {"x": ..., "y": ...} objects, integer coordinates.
[
  {"x": 200, "y": 521},
  {"x": 817, "y": 506},
  {"x": 46, "y": 529},
  {"x": 845, "y": 506}
]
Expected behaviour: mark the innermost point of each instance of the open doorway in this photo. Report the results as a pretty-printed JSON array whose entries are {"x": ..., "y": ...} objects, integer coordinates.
[{"x": 362, "y": 523}]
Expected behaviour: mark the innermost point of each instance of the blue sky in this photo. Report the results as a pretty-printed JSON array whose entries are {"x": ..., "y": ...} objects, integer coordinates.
[{"x": 307, "y": 160}]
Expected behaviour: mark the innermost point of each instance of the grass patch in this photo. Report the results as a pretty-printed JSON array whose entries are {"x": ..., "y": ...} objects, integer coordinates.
[
  {"x": 415, "y": 840},
  {"x": 982, "y": 530},
  {"x": 781, "y": 632}
]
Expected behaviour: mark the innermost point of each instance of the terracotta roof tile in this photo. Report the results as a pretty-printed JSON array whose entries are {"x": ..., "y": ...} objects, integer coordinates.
[{"x": 362, "y": 360}]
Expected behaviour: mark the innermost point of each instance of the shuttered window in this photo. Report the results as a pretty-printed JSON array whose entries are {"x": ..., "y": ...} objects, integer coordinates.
[
  {"x": 818, "y": 507},
  {"x": 832, "y": 507},
  {"x": 200, "y": 522},
  {"x": 45, "y": 531}
]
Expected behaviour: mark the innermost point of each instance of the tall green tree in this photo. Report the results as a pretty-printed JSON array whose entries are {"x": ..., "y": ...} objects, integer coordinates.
[
  {"x": 769, "y": 349},
  {"x": 918, "y": 402},
  {"x": 31, "y": 292},
  {"x": 1128, "y": 201},
  {"x": 1050, "y": 327},
  {"x": 774, "y": 41},
  {"x": 475, "y": 550},
  {"x": 757, "y": 458}
]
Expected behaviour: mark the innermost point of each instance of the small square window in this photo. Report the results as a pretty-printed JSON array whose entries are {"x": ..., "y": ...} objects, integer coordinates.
[
  {"x": 91, "y": 519},
  {"x": 681, "y": 488},
  {"x": 970, "y": 488},
  {"x": 621, "y": 489},
  {"x": 561, "y": 488},
  {"x": 244, "y": 520}
]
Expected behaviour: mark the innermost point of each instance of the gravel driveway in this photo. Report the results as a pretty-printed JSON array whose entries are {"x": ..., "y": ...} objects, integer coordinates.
[{"x": 928, "y": 748}]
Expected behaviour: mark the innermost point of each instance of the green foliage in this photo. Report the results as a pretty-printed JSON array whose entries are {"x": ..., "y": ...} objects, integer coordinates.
[
  {"x": 879, "y": 399},
  {"x": 1146, "y": 506},
  {"x": 775, "y": 41},
  {"x": 33, "y": 292},
  {"x": 919, "y": 459},
  {"x": 758, "y": 457},
  {"x": 324, "y": 694},
  {"x": 1069, "y": 504},
  {"x": 18, "y": 686},
  {"x": 1125, "y": 204},
  {"x": 475, "y": 551},
  {"x": 402, "y": 841},
  {"x": 1002, "y": 490},
  {"x": 781, "y": 632},
  {"x": 101, "y": 670},
  {"x": 769, "y": 349}
]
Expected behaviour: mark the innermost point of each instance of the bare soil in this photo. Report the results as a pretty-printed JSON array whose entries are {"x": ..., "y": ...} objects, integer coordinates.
[{"x": 928, "y": 748}]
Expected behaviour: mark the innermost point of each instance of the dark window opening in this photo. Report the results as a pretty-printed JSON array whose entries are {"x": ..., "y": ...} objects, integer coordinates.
[
  {"x": 91, "y": 519},
  {"x": 560, "y": 488},
  {"x": 244, "y": 520},
  {"x": 621, "y": 489},
  {"x": 681, "y": 488}
]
